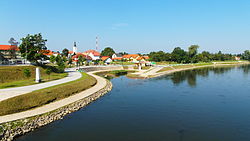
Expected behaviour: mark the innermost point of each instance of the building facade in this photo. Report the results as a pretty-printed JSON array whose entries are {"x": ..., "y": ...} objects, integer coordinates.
[{"x": 10, "y": 54}]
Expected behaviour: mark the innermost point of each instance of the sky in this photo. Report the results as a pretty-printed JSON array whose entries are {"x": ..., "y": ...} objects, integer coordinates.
[{"x": 133, "y": 26}]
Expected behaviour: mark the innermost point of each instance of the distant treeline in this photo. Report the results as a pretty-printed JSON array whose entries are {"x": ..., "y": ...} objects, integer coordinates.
[{"x": 192, "y": 56}]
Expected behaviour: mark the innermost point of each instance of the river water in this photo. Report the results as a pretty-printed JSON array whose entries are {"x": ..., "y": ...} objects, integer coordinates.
[{"x": 209, "y": 104}]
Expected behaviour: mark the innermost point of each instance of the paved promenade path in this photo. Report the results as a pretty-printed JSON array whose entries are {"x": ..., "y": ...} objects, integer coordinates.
[
  {"x": 12, "y": 92},
  {"x": 152, "y": 71},
  {"x": 101, "y": 83}
]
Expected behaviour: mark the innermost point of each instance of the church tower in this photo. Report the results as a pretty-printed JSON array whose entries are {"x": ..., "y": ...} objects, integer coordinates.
[{"x": 75, "y": 48}]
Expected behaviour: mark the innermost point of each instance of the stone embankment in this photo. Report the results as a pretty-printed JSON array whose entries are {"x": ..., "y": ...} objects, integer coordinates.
[{"x": 10, "y": 130}]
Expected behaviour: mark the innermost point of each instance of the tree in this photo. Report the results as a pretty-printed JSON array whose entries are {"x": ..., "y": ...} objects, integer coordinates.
[
  {"x": 65, "y": 52},
  {"x": 60, "y": 63},
  {"x": 192, "y": 52},
  {"x": 52, "y": 59},
  {"x": 33, "y": 48},
  {"x": 14, "y": 44},
  {"x": 179, "y": 56},
  {"x": 205, "y": 56},
  {"x": 70, "y": 61},
  {"x": 246, "y": 55},
  {"x": 108, "y": 51},
  {"x": 27, "y": 72},
  {"x": 81, "y": 59},
  {"x": 159, "y": 56},
  {"x": 123, "y": 53}
]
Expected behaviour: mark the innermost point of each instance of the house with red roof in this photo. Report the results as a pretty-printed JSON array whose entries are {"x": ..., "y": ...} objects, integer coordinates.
[
  {"x": 48, "y": 53},
  {"x": 106, "y": 59},
  {"x": 95, "y": 55},
  {"x": 131, "y": 57},
  {"x": 116, "y": 57},
  {"x": 10, "y": 54}
]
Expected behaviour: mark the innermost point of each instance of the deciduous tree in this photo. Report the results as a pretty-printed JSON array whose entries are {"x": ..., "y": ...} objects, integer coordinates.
[
  {"x": 33, "y": 47},
  {"x": 108, "y": 51}
]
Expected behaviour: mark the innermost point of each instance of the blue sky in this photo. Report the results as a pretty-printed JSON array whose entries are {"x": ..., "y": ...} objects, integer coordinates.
[{"x": 130, "y": 25}]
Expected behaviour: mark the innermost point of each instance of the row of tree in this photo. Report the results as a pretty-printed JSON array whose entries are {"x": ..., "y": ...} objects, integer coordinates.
[
  {"x": 33, "y": 46},
  {"x": 192, "y": 56}
]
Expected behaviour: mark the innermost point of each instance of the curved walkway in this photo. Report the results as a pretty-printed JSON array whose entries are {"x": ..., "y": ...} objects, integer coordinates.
[
  {"x": 12, "y": 92},
  {"x": 101, "y": 83}
]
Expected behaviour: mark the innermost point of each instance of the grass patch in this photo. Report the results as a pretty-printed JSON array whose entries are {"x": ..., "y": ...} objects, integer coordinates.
[
  {"x": 165, "y": 63},
  {"x": 44, "y": 96},
  {"x": 203, "y": 64},
  {"x": 165, "y": 69},
  {"x": 112, "y": 74},
  {"x": 227, "y": 62},
  {"x": 131, "y": 75},
  {"x": 125, "y": 67},
  {"x": 123, "y": 63},
  {"x": 143, "y": 68},
  {"x": 13, "y": 76},
  {"x": 183, "y": 66}
]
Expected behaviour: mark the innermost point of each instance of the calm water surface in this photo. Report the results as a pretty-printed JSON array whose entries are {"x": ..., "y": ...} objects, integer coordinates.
[{"x": 209, "y": 104}]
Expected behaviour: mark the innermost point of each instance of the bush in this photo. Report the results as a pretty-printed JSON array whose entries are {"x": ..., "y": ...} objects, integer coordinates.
[{"x": 27, "y": 72}]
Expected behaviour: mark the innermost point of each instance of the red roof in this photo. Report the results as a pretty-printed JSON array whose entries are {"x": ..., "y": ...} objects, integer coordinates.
[
  {"x": 130, "y": 55},
  {"x": 48, "y": 52},
  {"x": 75, "y": 57},
  {"x": 94, "y": 52},
  {"x": 71, "y": 52},
  {"x": 117, "y": 58},
  {"x": 139, "y": 58},
  {"x": 146, "y": 57},
  {"x": 104, "y": 58},
  {"x": 8, "y": 47}
]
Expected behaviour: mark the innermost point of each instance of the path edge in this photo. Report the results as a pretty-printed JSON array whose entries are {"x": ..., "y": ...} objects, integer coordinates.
[{"x": 23, "y": 126}]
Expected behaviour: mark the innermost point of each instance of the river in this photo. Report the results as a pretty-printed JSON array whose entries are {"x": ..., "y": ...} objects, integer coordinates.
[{"x": 208, "y": 104}]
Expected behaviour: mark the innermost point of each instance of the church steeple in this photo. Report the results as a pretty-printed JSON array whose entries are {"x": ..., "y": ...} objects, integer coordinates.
[{"x": 75, "y": 48}]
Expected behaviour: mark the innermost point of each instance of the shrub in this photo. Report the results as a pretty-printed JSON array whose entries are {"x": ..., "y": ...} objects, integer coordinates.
[{"x": 27, "y": 72}]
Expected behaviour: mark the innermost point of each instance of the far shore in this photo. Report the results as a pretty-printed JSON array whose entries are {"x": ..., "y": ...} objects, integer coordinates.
[{"x": 140, "y": 75}]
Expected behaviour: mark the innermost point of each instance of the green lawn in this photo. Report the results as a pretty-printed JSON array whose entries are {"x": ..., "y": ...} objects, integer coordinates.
[
  {"x": 13, "y": 76},
  {"x": 183, "y": 66},
  {"x": 165, "y": 69},
  {"x": 123, "y": 63},
  {"x": 44, "y": 96},
  {"x": 203, "y": 64}
]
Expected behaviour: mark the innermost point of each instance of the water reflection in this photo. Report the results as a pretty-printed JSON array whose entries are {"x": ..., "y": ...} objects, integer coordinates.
[
  {"x": 245, "y": 68},
  {"x": 190, "y": 76}
]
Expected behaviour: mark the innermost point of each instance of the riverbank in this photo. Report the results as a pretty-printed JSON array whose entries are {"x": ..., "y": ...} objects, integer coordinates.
[
  {"x": 164, "y": 70},
  {"x": 51, "y": 112}
]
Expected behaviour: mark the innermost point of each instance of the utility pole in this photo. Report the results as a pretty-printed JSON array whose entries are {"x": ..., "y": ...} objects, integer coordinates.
[{"x": 96, "y": 43}]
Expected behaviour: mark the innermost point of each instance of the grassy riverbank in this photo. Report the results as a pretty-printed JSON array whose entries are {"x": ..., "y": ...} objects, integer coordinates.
[
  {"x": 114, "y": 73},
  {"x": 179, "y": 67},
  {"x": 13, "y": 76},
  {"x": 44, "y": 96}
]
